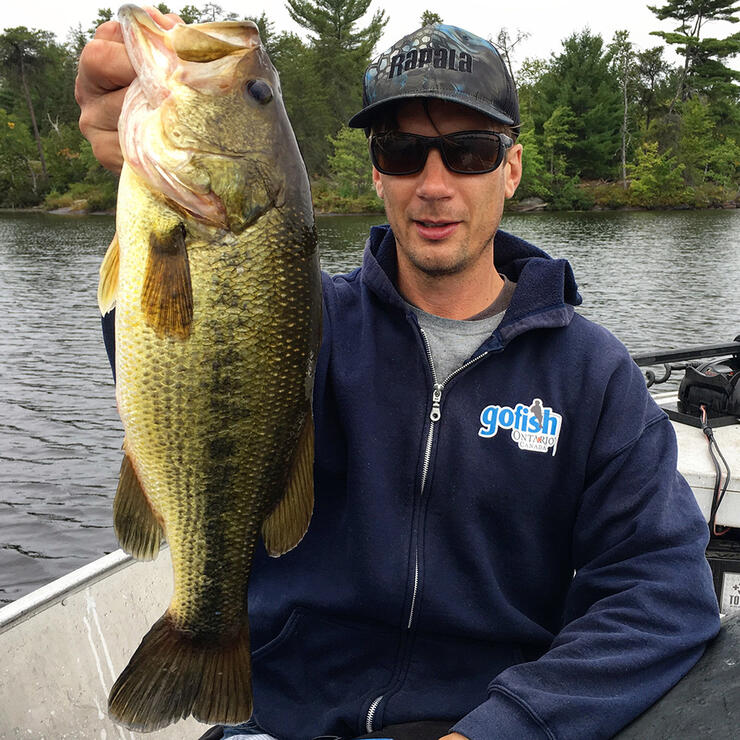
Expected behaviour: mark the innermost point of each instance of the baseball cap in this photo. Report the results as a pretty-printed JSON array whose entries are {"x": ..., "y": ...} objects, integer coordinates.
[{"x": 445, "y": 62}]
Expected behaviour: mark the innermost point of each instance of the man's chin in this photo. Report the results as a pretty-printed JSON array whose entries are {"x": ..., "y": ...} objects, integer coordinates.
[{"x": 439, "y": 267}]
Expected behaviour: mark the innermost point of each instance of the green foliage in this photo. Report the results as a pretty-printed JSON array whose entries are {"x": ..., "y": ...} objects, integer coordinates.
[
  {"x": 327, "y": 198},
  {"x": 330, "y": 70},
  {"x": 703, "y": 70},
  {"x": 189, "y": 14},
  {"x": 584, "y": 110},
  {"x": 83, "y": 196},
  {"x": 536, "y": 178},
  {"x": 429, "y": 18},
  {"x": 652, "y": 87},
  {"x": 64, "y": 162},
  {"x": 656, "y": 178},
  {"x": 17, "y": 150},
  {"x": 724, "y": 165},
  {"x": 695, "y": 142},
  {"x": 581, "y": 80},
  {"x": 349, "y": 164},
  {"x": 558, "y": 137}
]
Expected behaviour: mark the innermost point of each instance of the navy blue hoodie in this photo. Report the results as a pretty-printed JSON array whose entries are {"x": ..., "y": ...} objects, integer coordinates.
[{"x": 515, "y": 553}]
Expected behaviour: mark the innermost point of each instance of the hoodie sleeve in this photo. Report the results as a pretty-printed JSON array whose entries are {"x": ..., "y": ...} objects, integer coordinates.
[{"x": 640, "y": 607}]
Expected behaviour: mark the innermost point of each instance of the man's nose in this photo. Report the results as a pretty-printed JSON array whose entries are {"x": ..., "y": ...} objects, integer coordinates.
[{"x": 435, "y": 180}]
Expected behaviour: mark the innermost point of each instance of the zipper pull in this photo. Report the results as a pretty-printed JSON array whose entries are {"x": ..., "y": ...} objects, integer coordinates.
[{"x": 436, "y": 414}]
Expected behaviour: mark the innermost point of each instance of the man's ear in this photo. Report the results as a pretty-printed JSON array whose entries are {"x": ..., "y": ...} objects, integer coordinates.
[
  {"x": 378, "y": 183},
  {"x": 513, "y": 170}
]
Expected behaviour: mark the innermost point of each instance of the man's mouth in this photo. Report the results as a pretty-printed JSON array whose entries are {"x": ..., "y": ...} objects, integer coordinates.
[{"x": 435, "y": 230}]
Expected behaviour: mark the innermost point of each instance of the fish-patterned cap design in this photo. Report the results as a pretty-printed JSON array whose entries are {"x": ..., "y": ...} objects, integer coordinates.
[{"x": 445, "y": 62}]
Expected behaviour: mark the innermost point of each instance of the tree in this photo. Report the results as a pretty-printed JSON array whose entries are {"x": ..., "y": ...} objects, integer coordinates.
[
  {"x": 536, "y": 178},
  {"x": 17, "y": 175},
  {"x": 559, "y": 137},
  {"x": 580, "y": 78},
  {"x": 623, "y": 66},
  {"x": 339, "y": 54},
  {"x": 696, "y": 140},
  {"x": 305, "y": 97},
  {"x": 190, "y": 14},
  {"x": 656, "y": 178},
  {"x": 349, "y": 162},
  {"x": 23, "y": 55},
  {"x": 429, "y": 18},
  {"x": 651, "y": 73},
  {"x": 702, "y": 69},
  {"x": 505, "y": 44}
]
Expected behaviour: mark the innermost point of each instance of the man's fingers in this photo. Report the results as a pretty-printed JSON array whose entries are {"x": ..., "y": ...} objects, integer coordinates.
[
  {"x": 107, "y": 150},
  {"x": 103, "y": 76},
  {"x": 104, "y": 66},
  {"x": 109, "y": 31},
  {"x": 102, "y": 112},
  {"x": 166, "y": 21}
]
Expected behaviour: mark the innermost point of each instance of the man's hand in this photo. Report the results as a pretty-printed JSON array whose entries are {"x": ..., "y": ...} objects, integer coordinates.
[{"x": 103, "y": 77}]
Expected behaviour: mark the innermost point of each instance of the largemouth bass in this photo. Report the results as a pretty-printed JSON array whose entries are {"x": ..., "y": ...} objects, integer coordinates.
[{"x": 215, "y": 279}]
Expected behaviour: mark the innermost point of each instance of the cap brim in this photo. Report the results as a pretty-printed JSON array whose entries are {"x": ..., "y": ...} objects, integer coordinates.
[{"x": 364, "y": 118}]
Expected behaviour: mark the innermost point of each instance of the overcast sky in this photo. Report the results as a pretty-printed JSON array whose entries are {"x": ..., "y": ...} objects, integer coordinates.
[{"x": 547, "y": 22}]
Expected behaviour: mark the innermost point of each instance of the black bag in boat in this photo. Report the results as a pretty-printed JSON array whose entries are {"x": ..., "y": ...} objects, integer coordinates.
[{"x": 713, "y": 385}]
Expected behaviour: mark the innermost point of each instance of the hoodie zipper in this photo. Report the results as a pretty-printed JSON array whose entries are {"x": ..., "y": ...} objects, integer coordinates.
[{"x": 434, "y": 415}]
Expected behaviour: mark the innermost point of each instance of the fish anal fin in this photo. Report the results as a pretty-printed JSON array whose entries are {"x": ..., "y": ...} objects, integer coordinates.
[
  {"x": 167, "y": 294},
  {"x": 134, "y": 521},
  {"x": 175, "y": 673},
  {"x": 108, "y": 282},
  {"x": 287, "y": 523}
]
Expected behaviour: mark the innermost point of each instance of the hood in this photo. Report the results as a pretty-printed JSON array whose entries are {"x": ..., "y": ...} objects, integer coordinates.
[{"x": 545, "y": 295}]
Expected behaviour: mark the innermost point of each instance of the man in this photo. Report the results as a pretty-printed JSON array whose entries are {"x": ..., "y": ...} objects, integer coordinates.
[{"x": 501, "y": 546}]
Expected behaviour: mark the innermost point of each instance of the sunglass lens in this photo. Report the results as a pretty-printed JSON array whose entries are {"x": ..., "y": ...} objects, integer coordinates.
[
  {"x": 397, "y": 154},
  {"x": 471, "y": 154}
]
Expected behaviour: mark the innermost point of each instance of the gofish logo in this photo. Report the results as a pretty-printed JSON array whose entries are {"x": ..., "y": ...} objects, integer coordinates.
[{"x": 534, "y": 427}]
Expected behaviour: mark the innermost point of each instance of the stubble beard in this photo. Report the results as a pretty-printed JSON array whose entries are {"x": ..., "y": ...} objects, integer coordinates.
[{"x": 460, "y": 261}]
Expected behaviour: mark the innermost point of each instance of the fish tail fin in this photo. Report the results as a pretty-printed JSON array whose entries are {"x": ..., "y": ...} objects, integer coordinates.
[{"x": 175, "y": 673}]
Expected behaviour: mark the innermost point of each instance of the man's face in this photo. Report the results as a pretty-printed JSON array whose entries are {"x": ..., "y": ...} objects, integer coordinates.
[{"x": 444, "y": 222}]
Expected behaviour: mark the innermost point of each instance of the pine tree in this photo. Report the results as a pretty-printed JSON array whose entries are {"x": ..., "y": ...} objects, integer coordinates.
[
  {"x": 340, "y": 54},
  {"x": 703, "y": 68},
  {"x": 580, "y": 79}
]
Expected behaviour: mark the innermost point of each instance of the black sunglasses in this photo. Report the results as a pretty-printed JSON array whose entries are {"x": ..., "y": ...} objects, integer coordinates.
[{"x": 464, "y": 152}]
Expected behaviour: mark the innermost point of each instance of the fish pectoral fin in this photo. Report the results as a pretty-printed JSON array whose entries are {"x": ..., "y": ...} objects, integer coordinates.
[
  {"x": 288, "y": 522},
  {"x": 177, "y": 672},
  {"x": 108, "y": 282},
  {"x": 167, "y": 295},
  {"x": 136, "y": 526}
]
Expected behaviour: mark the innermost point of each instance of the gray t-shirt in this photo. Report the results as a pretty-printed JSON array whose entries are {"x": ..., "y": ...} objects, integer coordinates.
[{"x": 453, "y": 341}]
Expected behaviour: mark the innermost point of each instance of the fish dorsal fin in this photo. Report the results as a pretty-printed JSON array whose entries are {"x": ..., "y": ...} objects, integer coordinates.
[
  {"x": 136, "y": 526},
  {"x": 167, "y": 295},
  {"x": 288, "y": 522},
  {"x": 108, "y": 282}
]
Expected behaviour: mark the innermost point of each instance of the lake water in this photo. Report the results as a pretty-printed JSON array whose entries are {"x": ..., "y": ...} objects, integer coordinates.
[{"x": 655, "y": 279}]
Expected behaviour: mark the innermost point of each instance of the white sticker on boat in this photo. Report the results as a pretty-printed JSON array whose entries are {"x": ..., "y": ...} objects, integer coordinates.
[{"x": 730, "y": 600}]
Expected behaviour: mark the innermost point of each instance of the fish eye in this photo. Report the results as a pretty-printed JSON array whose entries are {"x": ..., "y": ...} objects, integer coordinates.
[{"x": 260, "y": 91}]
